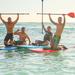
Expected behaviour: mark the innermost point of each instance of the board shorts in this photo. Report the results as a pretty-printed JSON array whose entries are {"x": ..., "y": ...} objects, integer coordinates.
[
  {"x": 8, "y": 36},
  {"x": 56, "y": 40}
]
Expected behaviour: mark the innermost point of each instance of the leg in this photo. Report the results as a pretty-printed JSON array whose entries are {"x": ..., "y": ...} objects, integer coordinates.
[
  {"x": 38, "y": 42},
  {"x": 8, "y": 41},
  {"x": 45, "y": 43},
  {"x": 56, "y": 40},
  {"x": 11, "y": 39}
]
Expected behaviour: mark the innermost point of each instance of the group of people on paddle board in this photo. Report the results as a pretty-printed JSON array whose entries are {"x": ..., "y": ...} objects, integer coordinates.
[
  {"x": 8, "y": 41},
  {"x": 48, "y": 37}
]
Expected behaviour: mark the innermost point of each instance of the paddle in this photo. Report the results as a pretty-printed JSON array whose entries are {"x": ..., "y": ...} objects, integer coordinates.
[
  {"x": 71, "y": 14},
  {"x": 42, "y": 15},
  {"x": 14, "y": 13}
]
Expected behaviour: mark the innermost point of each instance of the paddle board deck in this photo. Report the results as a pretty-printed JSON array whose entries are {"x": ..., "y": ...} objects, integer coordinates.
[
  {"x": 31, "y": 46},
  {"x": 8, "y": 48},
  {"x": 44, "y": 51}
]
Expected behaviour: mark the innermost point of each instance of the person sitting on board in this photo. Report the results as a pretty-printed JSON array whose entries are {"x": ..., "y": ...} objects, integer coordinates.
[
  {"x": 47, "y": 37},
  {"x": 22, "y": 37},
  {"x": 59, "y": 30},
  {"x": 8, "y": 41}
]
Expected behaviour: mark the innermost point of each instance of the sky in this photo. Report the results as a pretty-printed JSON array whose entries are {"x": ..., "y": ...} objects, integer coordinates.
[{"x": 34, "y": 6}]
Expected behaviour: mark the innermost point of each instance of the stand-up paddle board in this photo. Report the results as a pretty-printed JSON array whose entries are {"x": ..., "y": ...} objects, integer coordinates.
[
  {"x": 43, "y": 50},
  {"x": 21, "y": 46},
  {"x": 8, "y": 48},
  {"x": 31, "y": 46}
]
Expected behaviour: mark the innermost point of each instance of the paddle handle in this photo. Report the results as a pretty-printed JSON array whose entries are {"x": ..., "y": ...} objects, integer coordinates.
[
  {"x": 50, "y": 13},
  {"x": 14, "y": 13}
]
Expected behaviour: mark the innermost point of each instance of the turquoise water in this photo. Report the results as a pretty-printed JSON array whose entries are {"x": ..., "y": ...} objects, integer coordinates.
[{"x": 24, "y": 62}]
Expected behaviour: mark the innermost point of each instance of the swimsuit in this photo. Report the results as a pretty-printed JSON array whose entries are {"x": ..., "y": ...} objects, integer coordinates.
[
  {"x": 56, "y": 40},
  {"x": 47, "y": 36},
  {"x": 8, "y": 36}
]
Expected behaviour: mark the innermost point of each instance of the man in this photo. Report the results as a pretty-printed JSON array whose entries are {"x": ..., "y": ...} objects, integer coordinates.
[
  {"x": 47, "y": 37},
  {"x": 22, "y": 37},
  {"x": 8, "y": 41},
  {"x": 59, "y": 30}
]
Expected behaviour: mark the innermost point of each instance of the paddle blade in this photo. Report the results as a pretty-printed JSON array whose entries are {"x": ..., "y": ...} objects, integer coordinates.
[{"x": 71, "y": 14}]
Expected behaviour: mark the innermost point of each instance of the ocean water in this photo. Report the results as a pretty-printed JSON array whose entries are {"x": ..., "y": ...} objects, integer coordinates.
[{"x": 23, "y": 62}]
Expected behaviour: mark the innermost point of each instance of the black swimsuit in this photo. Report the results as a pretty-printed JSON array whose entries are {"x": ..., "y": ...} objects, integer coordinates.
[
  {"x": 9, "y": 36},
  {"x": 47, "y": 36}
]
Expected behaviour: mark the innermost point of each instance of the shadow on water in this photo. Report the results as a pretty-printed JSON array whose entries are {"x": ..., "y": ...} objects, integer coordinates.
[
  {"x": 9, "y": 54},
  {"x": 23, "y": 50},
  {"x": 18, "y": 51},
  {"x": 55, "y": 54}
]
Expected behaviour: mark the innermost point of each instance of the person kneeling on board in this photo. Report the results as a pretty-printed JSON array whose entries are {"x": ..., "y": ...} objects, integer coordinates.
[
  {"x": 47, "y": 38},
  {"x": 22, "y": 37},
  {"x": 8, "y": 41}
]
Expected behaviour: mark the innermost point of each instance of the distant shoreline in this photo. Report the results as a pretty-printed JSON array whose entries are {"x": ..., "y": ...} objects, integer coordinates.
[{"x": 44, "y": 22}]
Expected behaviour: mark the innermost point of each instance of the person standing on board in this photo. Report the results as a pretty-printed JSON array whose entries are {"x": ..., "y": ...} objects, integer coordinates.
[
  {"x": 22, "y": 37},
  {"x": 8, "y": 41},
  {"x": 59, "y": 30}
]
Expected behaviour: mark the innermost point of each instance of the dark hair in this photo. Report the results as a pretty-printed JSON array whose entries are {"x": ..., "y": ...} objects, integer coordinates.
[
  {"x": 9, "y": 18},
  {"x": 49, "y": 27},
  {"x": 23, "y": 28}
]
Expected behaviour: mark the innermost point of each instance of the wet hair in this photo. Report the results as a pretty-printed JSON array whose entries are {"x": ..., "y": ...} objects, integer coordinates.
[
  {"x": 60, "y": 18},
  {"x": 9, "y": 18},
  {"x": 23, "y": 28},
  {"x": 49, "y": 27}
]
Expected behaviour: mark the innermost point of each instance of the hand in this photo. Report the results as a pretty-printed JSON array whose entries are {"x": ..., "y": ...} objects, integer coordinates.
[
  {"x": 63, "y": 14},
  {"x": 49, "y": 14},
  {"x": 0, "y": 15},
  {"x": 18, "y": 14}
]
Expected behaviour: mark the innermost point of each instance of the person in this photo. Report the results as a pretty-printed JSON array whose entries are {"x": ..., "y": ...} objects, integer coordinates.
[
  {"x": 47, "y": 37},
  {"x": 22, "y": 37},
  {"x": 59, "y": 30},
  {"x": 8, "y": 41}
]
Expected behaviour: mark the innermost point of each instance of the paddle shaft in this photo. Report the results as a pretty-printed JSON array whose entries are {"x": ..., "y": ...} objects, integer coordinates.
[
  {"x": 49, "y": 13},
  {"x": 14, "y": 13},
  {"x": 42, "y": 16}
]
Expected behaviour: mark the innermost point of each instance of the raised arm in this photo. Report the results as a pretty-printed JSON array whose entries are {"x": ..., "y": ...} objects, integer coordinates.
[
  {"x": 16, "y": 32},
  {"x": 44, "y": 28},
  {"x": 64, "y": 19},
  {"x": 16, "y": 19},
  {"x": 2, "y": 19},
  {"x": 52, "y": 20}
]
